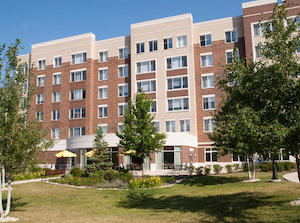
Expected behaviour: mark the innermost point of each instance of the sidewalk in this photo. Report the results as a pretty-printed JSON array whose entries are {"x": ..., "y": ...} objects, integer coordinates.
[
  {"x": 32, "y": 180},
  {"x": 291, "y": 177}
]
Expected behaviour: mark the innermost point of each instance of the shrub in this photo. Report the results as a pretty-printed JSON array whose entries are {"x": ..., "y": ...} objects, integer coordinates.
[
  {"x": 148, "y": 182},
  {"x": 217, "y": 168},
  {"x": 280, "y": 166},
  {"x": 77, "y": 172},
  {"x": 207, "y": 169},
  {"x": 168, "y": 179},
  {"x": 236, "y": 167},
  {"x": 126, "y": 176},
  {"x": 199, "y": 170},
  {"x": 111, "y": 175},
  {"x": 190, "y": 169},
  {"x": 228, "y": 168},
  {"x": 287, "y": 166}
]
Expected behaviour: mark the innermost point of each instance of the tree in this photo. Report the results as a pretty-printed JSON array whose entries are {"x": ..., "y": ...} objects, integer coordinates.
[
  {"x": 20, "y": 139},
  {"x": 139, "y": 134},
  {"x": 100, "y": 160}
]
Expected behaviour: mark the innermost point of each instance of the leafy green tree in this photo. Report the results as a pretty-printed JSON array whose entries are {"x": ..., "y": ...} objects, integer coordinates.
[
  {"x": 20, "y": 139},
  {"x": 100, "y": 160},
  {"x": 139, "y": 134}
]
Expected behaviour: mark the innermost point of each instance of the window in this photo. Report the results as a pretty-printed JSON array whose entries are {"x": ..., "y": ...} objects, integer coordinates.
[
  {"x": 55, "y": 115},
  {"x": 184, "y": 125},
  {"x": 79, "y": 75},
  {"x": 40, "y": 116},
  {"x": 259, "y": 28},
  {"x": 257, "y": 52},
  {"x": 207, "y": 81},
  {"x": 57, "y": 78},
  {"x": 123, "y": 53},
  {"x": 122, "y": 109},
  {"x": 120, "y": 127},
  {"x": 78, "y": 58},
  {"x": 146, "y": 86},
  {"x": 211, "y": 155},
  {"x": 176, "y": 62},
  {"x": 76, "y": 113},
  {"x": 152, "y": 45},
  {"x": 140, "y": 48},
  {"x": 177, "y": 83},
  {"x": 104, "y": 128},
  {"x": 123, "y": 70},
  {"x": 153, "y": 107},
  {"x": 170, "y": 126},
  {"x": 181, "y": 41},
  {"x": 102, "y": 92},
  {"x": 238, "y": 158},
  {"x": 102, "y": 111},
  {"x": 41, "y": 81},
  {"x": 178, "y": 104},
  {"x": 231, "y": 36},
  {"x": 206, "y": 60},
  {"x": 40, "y": 98},
  {"x": 296, "y": 21},
  {"x": 55, "y": 133},
  {"x": 156, "y": 125},
  {"x": 230, "y": 55},
  {"x": 103, "y": 56},
  {"x": 205, "y": 40},
  {"x": 77, "y": 131},
  {"x": 77, "y": 94},
  {"x": 168, "y": 43},
  {"x": 102, "y": 74},
  {"x": 123, "y": 90},
  {"x": 42, "y": 64},
  {"x": 145, "y": 67},
  {"x": 56, "y": 97},
  {"x": 209, "y": 124},
  {"x": 57, "y": 62},
  {"x": 209, "y": 102}
]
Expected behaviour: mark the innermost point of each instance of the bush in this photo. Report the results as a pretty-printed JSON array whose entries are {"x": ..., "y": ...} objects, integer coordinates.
[
  {"x": 207, "y": 169},
  {"x": 236, "y": 167},
  {"x": 190, "y": 169},
  {"x": 126, "y": 176},
  {"x": 168, "y": 179},
  {"x": 77, "y": 172},
  {"x": 148, "y": 182},
  {"x": 287, "y": 166},
  {"x": 111, "y": 175},
  {"x": 199, "y": 170},
  {"x": 228, "y": 168},
  {"x": 280, "y": 166},
  {"x": 217, "y": 168}
]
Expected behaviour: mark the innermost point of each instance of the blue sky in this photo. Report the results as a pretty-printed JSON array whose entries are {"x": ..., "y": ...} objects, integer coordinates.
[{"x": 35, "y": 21}]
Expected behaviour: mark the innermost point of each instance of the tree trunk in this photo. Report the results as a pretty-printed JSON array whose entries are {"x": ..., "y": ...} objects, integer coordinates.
[
  {"x": 274, "y": 175},
  {"x": 142, "y": 168},
  {"x": 249, "y": 170},
  {"x": 1, "y": 205},
  {"x": 7, "y": 210},
  {"x": 3, "y": 178},
  {"x": 298, "y": 165},
  {"x": 253, "y": 168}
]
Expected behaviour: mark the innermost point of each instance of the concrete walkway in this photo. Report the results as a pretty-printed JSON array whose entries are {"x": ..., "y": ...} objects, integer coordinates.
[
  {"x": 32, "y": 180},
  {"x": 291, "y": 177}
]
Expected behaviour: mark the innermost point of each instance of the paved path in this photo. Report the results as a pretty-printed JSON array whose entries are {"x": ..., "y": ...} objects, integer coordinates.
[
  {"x": 32, "y": 180},
  {"x": 291, "y": 177}
]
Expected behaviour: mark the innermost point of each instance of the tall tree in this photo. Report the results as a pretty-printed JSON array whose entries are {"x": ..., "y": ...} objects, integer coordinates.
[
  {"x": 20, "y": 139},
  {"x": 139, "y": 134}
]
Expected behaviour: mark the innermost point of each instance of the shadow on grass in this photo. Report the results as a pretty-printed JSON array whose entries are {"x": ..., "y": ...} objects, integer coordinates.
[
  {"x": 16, "y": 203},
  {"x": 219, "y": 208},
  {"x": 210, "y": 180}
]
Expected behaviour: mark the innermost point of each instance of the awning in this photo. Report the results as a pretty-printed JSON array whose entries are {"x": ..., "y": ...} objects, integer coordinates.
[
  {"x": 90, "y": 153},
  {"x": 65, "y": 154},
  {"x": 131, "y": 151}
]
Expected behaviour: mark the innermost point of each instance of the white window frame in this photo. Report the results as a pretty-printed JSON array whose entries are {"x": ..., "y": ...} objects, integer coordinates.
[
  {"x": 140, "y": 47},
  {"x": 84, "y": 58},
  {"x": 205, "y": 36},
  {"x": 124, "y": 53},
  {"x": 168, "y": 43},
  {"x": 181, "y": 87},
  {"x": 54, "y": 61},
  {"x": 104, "y": 57},
  {"x": 38, "y": 99},
  {"x": 82, "y": 76},
  {"x": 231, "y": 32},
  {"x": 211, "y": 125},
  {"x": 102, "y": 69},
  {"x": 124, "y": 108},
  {"x": 152, "y": 43},
  {"x": 80, "y": 131},
  {"x": 150, "y": 84},
  {"x": 206, "y": 64},
  {"x": 102, "y": 88},
  {"x": 104, "y": 128},
  {"x": 55, "y": 97},
  {"x": 209, "y": 96},
  {"x": 209, "y": 85},
  {"x": 181, "y": 38},
  {"x": 150, "y": 66},
  {"x": 119, "y": 127},
  {"x": 40, "y": 83},
  {"x": 42, "y": 67},
  {"x": 55, "y": 115},
  {"x": 179, "y": 110},
  {"x": 103, "y": 107},
  {"x": 172, "y": 127},
  {"x": 123, "y": 86},
  {"x": 232, "y": 52},
  {"x": 54, "y": 134},
  {"x": 181, "y": 65},
  {"x": 80, "y": 113},
  {"x": 151, "y": 107},
  {"x": 124, "y": 69},
  {"x": 185, "y": 129},
  {"x": 53, "y": 78},
  {"x": 210, "y": 150},
  {"x": 157, "y": 127},
  {"x": 38, "y": 116},
  {"x": 82, "y": 94}
]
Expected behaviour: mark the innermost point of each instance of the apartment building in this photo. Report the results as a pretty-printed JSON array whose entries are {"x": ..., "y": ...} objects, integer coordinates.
[{"x": 83, "y": 83}]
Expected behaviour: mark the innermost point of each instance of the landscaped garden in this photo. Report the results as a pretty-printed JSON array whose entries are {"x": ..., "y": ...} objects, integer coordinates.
[{"x": 222, "y": 198}]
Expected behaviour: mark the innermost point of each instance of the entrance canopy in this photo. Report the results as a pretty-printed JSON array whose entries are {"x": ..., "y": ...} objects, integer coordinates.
[{"x": 65, "y": 154}]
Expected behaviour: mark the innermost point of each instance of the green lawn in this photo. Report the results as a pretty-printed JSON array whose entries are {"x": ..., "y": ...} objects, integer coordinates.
[{"x": 200, "y": 199}]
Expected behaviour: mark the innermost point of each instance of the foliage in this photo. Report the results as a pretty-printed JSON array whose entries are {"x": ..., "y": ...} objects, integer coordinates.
[
  {"x": 236, "y": 167},
  {"x": 207, "y": 170},
  {"x": 77, "y": 172},
  {"x": 148, "y": 182},
  {"x": 168, "y": 179},
  {"x": 217, "y": 168},
  {"x": 280, "y": 166},
  {"x": 199, "y": 170},
  {"x": 190, "y": 169},
  {"x": 228, "y": 168}
]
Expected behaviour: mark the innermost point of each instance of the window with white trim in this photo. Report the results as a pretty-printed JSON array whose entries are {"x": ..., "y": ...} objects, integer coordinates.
[
  {"x": 123, "y": 70},
  {"x": 211, "y": 155},
  {"x": 209, "y": 102},
  {"x": 259, "y": 28},
  {"x": 40, "y": 98},
  {"x": 42, "y": 64},
  {"x": 207, "y": 81},
  {"x": 122, "y": 109},
  {"x": 258, "y": 52},
  {"x": 238, "y": 158},
  {"x": 123, "y": 53},
  {"x": 123, "y": 90},
  {"x": 177, "y": 83},
  {"x": 170, "y": 126},
  {"x": 177, "y": 62},
  {"x": 168, "y": 43},
  {"x": 78, "y": 94},
  {"x": 103, "y": 74},
  {"x": 77, "y": 131},
  {"x": 78, "y": 58},
  {"x": 178, "y": 104},
  {"x": 206, "y": 60},
  {"x": 40, "y": 116},
  {"x": 104, "y": 128},
  {"x": 77, "y": 113},
  {"x": 145, "y": 66},
  {"x": 102, "y": 92},
  {"x": 295, "y": 20},
  {"x": 140, "y": 47},
  {"x": 79, "y": 75},
  {"x": 103, "y": 56},
  {"x": 56, "y": 97},
  {"x": 152, "y": 45},
  {"x": 55, "y": 115},
  {"x": 209, "y": 124},
  {"x": 56, "y": 78},
  {"x": 205, "y": 40},
  {"x": 102, "y": 111},
  {"x": 230, "y": 55},
  {"x": 185, "y": 125},
  {"x": 120, "y": 127},
  {"x": 57, "y": 62},
  {"x": 156, "y": 125},
  {"x": 146, "y": 86},
  {"x": 153, "y": 107},
  {"x": 55, "y": 133},
  {"x": 231, "y": 36},
  {"x": 181, "y": 41},
  {"x": 41, "y": 81}
]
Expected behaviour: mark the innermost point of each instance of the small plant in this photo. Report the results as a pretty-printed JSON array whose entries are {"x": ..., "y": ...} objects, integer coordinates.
[
  {"x": 148, "y": 182},
  {"x": 217, "y": 168},
  {"x": 228, "y": 168},
  {"x": 199, "y": 170},
  {"x": 77, "y": 172},
  {"x": 236, "y": 167},
  {"x": 207, "y": 170},
  {"x": 168, "y": 179},
  {"x": 190, "y": 169}
]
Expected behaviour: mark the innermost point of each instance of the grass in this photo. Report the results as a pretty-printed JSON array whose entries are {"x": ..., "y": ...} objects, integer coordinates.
[{"x": 221, "y": 198}]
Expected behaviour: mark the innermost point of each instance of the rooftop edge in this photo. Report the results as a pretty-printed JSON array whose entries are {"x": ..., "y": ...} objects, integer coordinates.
[{"x": 258, "y": 3}]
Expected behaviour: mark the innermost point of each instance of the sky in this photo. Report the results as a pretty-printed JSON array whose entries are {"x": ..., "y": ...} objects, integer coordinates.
[{"x": 35, "y": 21}]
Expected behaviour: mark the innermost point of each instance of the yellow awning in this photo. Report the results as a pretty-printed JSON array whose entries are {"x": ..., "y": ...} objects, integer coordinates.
[
  {"x": 131, "y": 151},
  {"x": 65, "y": 154},
  {"x": 90, "y": 153}
]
